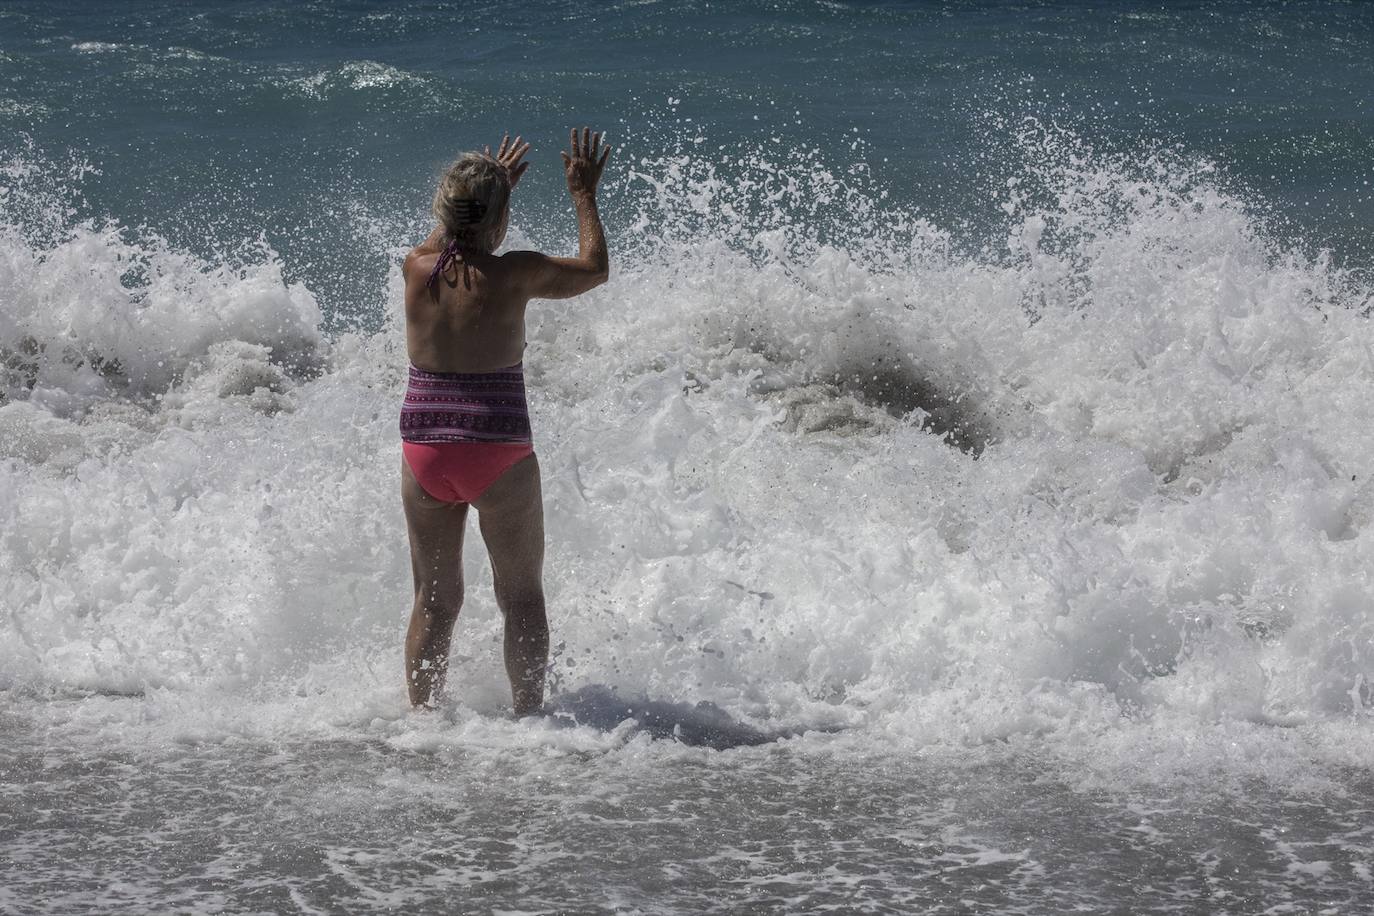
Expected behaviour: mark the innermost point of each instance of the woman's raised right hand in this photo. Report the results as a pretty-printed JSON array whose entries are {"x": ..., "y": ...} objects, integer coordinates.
[{"x": 586, "y": 162}]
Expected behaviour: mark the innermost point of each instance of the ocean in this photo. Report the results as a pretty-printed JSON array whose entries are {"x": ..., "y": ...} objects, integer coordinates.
[{"x": 959, "y": 500}]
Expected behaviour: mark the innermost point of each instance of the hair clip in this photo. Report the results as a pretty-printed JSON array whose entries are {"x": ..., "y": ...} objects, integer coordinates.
[{"x": 469, "y": 210}]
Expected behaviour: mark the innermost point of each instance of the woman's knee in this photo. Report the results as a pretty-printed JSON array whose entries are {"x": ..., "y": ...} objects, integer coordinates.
[
  {"x": 441, "y": 600},
  {"x": 523, "y": 601}
]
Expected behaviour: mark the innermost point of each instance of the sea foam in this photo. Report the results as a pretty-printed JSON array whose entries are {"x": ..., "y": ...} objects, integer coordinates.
[{"x": 1102, "y": 485}]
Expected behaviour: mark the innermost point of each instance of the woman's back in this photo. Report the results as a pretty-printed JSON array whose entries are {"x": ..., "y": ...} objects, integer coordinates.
[{"x": 470, "y": 319}]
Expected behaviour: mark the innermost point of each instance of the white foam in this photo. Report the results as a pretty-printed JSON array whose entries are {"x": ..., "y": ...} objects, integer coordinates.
[
  {"x": 357, "y": 76},
  {"x": 99, "y": 47},
  {"x": 1153, "y": 544},
  {"x": 100, "y": 316}
]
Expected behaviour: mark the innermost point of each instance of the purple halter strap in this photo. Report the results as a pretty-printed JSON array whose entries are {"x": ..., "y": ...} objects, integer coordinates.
[
  {"x": 446, "y": 257},
  {"x": 470, "y": 211}
]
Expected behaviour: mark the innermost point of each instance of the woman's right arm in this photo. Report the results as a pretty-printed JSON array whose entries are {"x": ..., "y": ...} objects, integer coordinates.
[{"x": 544, "y": 277}]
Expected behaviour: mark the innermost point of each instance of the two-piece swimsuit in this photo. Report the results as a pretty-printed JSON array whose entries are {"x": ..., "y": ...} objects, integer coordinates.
[{"x": 460, "y": 431}]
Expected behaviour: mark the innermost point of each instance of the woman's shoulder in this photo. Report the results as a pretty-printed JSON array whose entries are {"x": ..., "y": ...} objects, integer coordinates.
[
  {"x": 518, "y": 258},
  {"x": 418, "y": 258},
  {"x": 523, "y": 268}
]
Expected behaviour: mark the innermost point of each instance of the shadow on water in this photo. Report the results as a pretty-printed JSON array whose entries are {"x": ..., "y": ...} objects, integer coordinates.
[
  {"x": 901, "y": 389},
  {"x": 828, "y": 405},
  {"x": 698, "y": 725}
]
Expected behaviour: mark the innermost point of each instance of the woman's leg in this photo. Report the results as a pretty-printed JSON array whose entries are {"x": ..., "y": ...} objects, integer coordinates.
[
  {"x": 436, "y": 561},
  {"x": 511, "y": 516}
]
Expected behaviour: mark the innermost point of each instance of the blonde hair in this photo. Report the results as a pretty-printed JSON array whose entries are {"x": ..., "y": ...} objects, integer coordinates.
[{"x": 473, "y": 178}]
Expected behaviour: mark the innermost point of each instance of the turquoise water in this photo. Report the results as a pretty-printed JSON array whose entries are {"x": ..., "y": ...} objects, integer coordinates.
[
  {"x": 319, "y": 127},
  {"x": 959, "y": 500}
]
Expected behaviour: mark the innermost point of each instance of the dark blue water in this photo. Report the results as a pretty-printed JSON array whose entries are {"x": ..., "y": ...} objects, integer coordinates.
[{"x": 318, "y": 127}]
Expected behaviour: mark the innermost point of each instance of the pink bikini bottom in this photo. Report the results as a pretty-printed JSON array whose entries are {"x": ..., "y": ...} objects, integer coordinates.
[{"x": 459, "y": 472}]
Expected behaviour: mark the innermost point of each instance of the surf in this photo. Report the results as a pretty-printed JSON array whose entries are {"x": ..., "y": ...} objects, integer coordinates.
[{"x": 1106, "y": 477}]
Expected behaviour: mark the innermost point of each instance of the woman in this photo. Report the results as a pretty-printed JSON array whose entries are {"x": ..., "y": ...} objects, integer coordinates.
[{"x": 464, "y": 425}]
